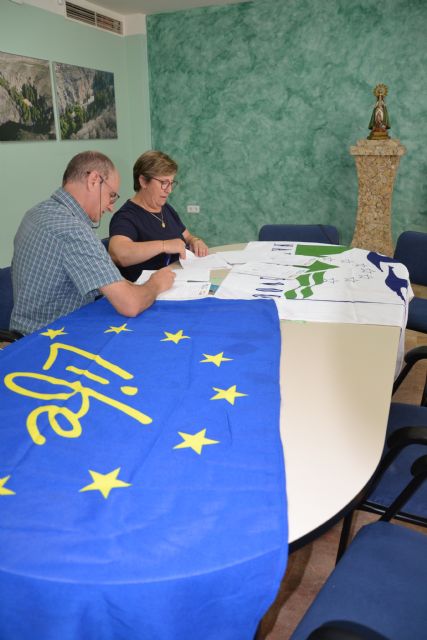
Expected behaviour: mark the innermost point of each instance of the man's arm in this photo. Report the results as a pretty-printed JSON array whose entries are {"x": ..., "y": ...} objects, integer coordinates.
[{"x": 130, "y": 299}]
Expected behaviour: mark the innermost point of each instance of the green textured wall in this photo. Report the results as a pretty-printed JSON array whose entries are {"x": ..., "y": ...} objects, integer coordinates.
[
  {"x": 30, "y": 171},
  {"x": 260, "y": 102}
]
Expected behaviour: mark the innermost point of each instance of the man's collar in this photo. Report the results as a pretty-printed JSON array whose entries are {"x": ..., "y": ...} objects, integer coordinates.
[{"x": 65, "y": 198}]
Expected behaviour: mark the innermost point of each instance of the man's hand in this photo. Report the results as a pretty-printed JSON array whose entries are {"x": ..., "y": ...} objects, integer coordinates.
[
  {"x": 163, "y": 279},
  {"x": 176, "y": 245}
]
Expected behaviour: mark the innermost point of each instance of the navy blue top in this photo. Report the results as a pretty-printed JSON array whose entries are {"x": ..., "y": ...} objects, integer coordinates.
[{"x": 140, "y": 225}]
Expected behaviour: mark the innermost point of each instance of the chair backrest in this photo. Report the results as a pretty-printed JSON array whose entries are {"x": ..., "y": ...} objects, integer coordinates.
[
  {"x": 6, "y": 297},
  {"x": 106, "y": 242},
  {"x": 411, "y": 250},
  {"x": 300, "y": 233}
]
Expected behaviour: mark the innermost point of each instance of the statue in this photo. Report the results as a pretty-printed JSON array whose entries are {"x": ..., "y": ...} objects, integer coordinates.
[{"x": 379, "y": 122}]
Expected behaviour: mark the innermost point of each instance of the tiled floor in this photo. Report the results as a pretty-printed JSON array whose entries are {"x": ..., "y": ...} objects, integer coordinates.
[{"x": 309, "y": 567}]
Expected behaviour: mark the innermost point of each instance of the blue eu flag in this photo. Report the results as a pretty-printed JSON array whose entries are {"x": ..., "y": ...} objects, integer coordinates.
[{"x": 142, "y": 488}]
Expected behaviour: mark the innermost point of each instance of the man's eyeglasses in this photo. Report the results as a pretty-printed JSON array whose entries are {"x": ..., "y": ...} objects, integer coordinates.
[
  {"x": 114, "y": 196},
  {"x": 166, "y": 184}
]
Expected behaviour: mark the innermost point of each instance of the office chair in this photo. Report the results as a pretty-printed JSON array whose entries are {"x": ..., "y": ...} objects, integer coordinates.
[
  {"x": 376, "y": 591},
  {"x": 391, "y": 487},
  {"x": 322, "y": 233},
  {"x": 411, "y": 250},
  {"x": 6, "y": 305}
]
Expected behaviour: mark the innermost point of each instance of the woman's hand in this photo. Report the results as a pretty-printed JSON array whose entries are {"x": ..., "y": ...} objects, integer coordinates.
[
  {"x": 198, "y": 247},
  {"x": 176, "y": 245}
]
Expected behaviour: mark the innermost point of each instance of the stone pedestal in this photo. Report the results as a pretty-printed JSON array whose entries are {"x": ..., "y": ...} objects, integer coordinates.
[{"x": 376, "y": 163}]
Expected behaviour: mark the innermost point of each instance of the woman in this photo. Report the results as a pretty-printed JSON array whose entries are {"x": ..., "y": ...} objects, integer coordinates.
[{"x": 146, "y": 232}]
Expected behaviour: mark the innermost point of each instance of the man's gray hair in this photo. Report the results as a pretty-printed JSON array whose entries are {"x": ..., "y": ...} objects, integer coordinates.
[{"x": 86, "y": 162}]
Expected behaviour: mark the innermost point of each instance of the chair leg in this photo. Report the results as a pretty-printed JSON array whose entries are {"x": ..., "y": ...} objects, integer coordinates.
[
  {"x": 345, "y": 534},
  {"x": 424, "y": 398}
]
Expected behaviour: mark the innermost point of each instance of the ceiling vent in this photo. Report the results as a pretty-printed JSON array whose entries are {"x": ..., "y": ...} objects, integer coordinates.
[{"x": 95, "y": 19}]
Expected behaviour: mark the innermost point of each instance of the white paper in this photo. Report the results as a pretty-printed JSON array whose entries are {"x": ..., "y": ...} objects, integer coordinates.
[
  {"x": 268, "y": 270},
  {"x": 186, "y": 291},
  {"x": 181, "y": 275},
  {"x": 212, "y": 261},
  {"x": 192, "y": 275},
  {"x": 182, "y": 288},
  {"x": 240, "y": 257}
]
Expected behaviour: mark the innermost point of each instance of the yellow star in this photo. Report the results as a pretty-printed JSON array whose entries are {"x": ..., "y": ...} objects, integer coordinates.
[
  {"x": 215, "y": 359},
  {"x": 174, "y": 337},
  {"x": 229, "y": 394},
  {"x": 104, "y": 482},
  {"x": 54, "y": 333},
  {"x": 3, "y": 490},
  {"x": 195, "y": 441},
  {"x": 122, "y": 327}
]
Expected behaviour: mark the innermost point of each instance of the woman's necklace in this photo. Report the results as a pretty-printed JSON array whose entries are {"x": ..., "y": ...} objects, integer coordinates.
[
  {"x": 140, "y": 203},
  {"x": 162, "y": 222}
]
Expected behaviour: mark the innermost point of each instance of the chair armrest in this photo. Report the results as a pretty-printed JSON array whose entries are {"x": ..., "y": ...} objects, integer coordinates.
[
  {"x": 9, "y": 336},
  {"x": 407, "y": 435},
  {"x": 411, "y": 357},
  {"x": 419, "y": 467},
  {"x": 344, "y": 630},
  {"x": 417, "y": 353},
  {"x": 419, "y": 472}
]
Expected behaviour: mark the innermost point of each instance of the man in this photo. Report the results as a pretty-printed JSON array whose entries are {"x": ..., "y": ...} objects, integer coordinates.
[{"x": 59, "y": 264}]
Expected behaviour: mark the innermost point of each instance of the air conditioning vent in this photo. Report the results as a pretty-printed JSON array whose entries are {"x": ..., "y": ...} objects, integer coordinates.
[
  {"x": 76, "y": 12},
  {"x": 110, "y": 24}
]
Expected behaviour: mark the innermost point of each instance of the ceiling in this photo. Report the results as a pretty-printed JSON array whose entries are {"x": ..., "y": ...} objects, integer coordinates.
[{"x": 126, "y": 7}]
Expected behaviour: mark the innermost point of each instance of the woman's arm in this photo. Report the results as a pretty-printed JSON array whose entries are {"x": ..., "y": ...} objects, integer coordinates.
[
  {"x": 197, "y": 245},
  {"x": 126, "y": 252}
]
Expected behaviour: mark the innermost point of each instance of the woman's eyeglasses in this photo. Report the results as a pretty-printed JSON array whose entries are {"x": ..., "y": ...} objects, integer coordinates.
[{"x": 166, "y": 184}]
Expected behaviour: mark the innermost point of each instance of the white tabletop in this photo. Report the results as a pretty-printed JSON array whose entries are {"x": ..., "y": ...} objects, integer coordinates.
[{"x": 336, "y": 382}]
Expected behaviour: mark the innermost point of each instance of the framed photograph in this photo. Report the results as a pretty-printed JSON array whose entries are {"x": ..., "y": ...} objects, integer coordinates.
[
  {"x": 26, "y": 104},
  {"x": 86, "y": 102}
]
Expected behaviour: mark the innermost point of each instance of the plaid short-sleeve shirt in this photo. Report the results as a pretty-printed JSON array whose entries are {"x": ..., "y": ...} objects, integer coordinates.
[{"x": 58, "y": 263}]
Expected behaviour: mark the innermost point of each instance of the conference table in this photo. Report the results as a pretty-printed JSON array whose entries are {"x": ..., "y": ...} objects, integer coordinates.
[
  {"x": 155, "y": 494},
  {"x": 336, "y": 382}
]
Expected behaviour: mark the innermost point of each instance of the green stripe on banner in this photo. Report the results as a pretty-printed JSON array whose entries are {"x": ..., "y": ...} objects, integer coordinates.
[{"x": 319, "y": 249}]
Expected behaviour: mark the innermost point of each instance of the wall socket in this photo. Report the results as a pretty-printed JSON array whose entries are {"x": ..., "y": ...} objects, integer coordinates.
[{"x": 193, "y": 208}]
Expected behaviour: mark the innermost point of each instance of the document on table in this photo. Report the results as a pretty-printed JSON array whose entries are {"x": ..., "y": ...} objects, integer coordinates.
[
  {"x": 183, "y": 288},
  {"x": 213, "y": 261},
  {"x": 268, "y": 270}
]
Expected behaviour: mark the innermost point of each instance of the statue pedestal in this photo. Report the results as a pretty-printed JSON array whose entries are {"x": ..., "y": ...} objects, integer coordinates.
[{"x": 376, "y": 163}]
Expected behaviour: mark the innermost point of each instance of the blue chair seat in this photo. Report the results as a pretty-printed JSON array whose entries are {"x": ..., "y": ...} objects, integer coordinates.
[
  {"x": 411, "y": 250},
  {"x": 6, "y": 301},
  {"x": 380, "y": 582},
  {"x": 417, "y": 314},
  {"x": 398, "y": 474},
  {"x": 323, "y": 233},
  {"x": 6, "y": 306}
]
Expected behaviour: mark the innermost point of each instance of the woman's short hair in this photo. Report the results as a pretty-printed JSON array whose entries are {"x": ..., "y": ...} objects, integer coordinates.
[
  {"x": 152, "y": 164},
  {"x": 86, "y": 162}
]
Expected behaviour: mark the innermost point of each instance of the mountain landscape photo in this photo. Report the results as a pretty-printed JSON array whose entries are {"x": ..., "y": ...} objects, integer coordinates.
[
  {"x": 26, "y": 106},
  {"x": 86, "y": 102}
]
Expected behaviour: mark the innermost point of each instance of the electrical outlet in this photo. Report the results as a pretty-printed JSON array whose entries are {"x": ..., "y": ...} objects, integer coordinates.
[{"x": 193, "y": 208}]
